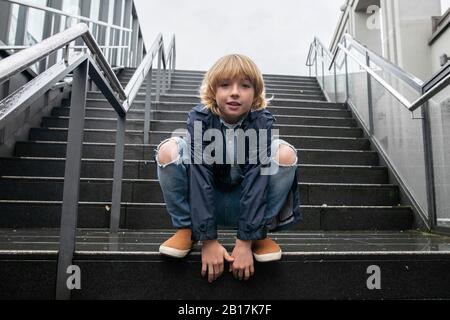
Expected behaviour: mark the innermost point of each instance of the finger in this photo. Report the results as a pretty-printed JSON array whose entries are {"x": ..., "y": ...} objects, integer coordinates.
[
  {"x": 252, "y": 270},
  {"x": 247, "y": 274},
  {"x": 210, "y": 273},
  {"x": 220, "y": 269},
  {"x": 241, "y": 274},
  {"x": 228, "y": 257},
  {"x": 204, "y": 269},
  {"x": 216, "y": 271},
  {"x": 236, "y": 273}
]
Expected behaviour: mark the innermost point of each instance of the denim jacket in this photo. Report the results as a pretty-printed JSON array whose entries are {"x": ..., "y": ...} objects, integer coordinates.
[{"x": 203, "y": 178}]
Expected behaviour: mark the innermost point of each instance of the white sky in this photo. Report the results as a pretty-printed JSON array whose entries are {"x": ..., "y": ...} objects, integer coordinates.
[{"x": 275, "y": 33}]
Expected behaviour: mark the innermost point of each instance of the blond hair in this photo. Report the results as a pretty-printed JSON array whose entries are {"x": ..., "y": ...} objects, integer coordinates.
[{"x": 233, "y": 66}]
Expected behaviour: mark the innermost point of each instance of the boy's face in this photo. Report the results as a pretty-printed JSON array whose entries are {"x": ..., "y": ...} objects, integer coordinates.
[{"x": 234, "y": 98}]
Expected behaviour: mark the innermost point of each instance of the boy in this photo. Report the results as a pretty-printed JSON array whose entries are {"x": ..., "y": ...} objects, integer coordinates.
[{"x": 246, "y": 192}]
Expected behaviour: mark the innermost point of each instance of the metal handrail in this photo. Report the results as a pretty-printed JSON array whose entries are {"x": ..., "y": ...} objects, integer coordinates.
[
  {"x": 23, "y": 59},
  {"x": 62, "y": 13},
  {"x": 16, "y": 48},
  {"x": 104, "y": 76},
  {"x": 413, "y": 81}
]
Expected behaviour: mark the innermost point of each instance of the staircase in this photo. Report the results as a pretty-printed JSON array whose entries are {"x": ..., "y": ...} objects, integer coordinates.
[{"x": 353, "y": 218}]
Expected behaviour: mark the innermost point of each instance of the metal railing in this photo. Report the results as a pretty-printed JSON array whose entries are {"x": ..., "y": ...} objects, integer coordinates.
[
  {"x": 83, "y": 65},
  {"x": 95, "y": 26},
  {"x": 379, "y": 69}
]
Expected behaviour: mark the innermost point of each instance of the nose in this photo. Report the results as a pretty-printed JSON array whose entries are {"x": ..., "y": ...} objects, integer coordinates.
[{"x": 235, "y": 89}]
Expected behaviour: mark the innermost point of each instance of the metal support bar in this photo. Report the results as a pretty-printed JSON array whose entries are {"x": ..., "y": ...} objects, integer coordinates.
[
  {"x": 148, "y": 107},
  {"x": 158, "y": 80},
  {"x": 335, "y": 85},
  {"x": 369, "y": 97},
  {"x": 429, "y": 167},
  {"x": 347, "y": 92},
  {"x": 118, "y": 174},
  {"x": 22, "y": 23},
  {"x": 323, "y": 72},
  {"x": 315, "y": 59},
  {"x": 72, "y": 180}
]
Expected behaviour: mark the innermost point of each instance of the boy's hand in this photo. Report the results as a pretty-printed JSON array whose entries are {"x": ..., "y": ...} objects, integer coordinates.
[
  {"x": 212, "y": 259},
  {"x": 242, "y": 267}
]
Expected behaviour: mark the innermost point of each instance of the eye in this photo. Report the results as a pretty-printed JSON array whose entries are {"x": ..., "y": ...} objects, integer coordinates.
[
  {"x": 247, "y": 85},
  {"x": 223, "y": 84}
]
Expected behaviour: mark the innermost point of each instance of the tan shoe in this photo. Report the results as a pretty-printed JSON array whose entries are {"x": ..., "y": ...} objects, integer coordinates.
[
  {"x": 266, "y": 250},
  {"x": 179, "y": 245}
]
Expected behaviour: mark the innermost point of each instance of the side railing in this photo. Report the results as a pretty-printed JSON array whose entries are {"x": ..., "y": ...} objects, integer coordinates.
[
  {"x": 121, "y": 99},
  {"x": 383, "y": 97}
]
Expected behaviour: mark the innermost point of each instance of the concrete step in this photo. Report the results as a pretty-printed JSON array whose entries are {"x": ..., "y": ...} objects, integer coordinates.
[
  {"x": 141, "y": 191},
  {"x": 194, "y": 78},
  {"x": 280, "y": 119},
  {"x": 145, "y": 216},
  {"x": 315, "y": 265},
  {"x": 286, "y": 107},
  {"x": 310, "y": 95},
  {"x": 180, "y": 73},
  {"x": 167, "y": 125},
  {"x": 143, "y": 169},
  {"x": 137, "y": 137},
  {"x": 194, "y": 88},
  {"x": 57, "y": 149}
]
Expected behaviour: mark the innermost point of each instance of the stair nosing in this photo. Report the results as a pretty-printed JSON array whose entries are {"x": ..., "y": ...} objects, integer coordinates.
[
  {"x": 156, "y": 144},
  {"x": 184, "y": 122}
]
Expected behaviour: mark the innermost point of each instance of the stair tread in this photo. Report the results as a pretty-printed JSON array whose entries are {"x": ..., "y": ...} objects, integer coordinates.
[
  {"x": 5, "y": 177},
  {"x": 97, "y": 242},
  {"x": 153, "y": 161}
]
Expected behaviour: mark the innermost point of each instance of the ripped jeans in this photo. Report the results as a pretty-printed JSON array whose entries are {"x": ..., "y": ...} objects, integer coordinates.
[{"x": 174, "y": 183}]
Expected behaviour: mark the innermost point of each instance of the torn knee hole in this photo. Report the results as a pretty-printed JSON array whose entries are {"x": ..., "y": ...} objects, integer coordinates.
[
  {"x": 167, "y": 152},
  {"x": 286, "y": 155}
]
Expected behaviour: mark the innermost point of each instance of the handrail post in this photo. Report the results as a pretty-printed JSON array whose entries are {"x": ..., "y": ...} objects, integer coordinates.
[
  {"x": 315, "y": 58},
  {"x": 158, "y": 80},
  {"x": 118, "y": 175},
  {"x": 323, "y": 71},
  {"x": 347, "y": 94},
  {"x": 148, "y": 106},
  {"x": 72, "y": 180},
  {"x": 335, "y": 83},
  {"x": 369, "y": 96}
]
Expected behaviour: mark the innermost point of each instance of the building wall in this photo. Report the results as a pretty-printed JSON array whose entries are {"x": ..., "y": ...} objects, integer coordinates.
[{"x": 438, "y": 47}]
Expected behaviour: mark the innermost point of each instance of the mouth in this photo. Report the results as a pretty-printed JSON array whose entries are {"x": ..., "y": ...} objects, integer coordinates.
[{"x": 234, "y": 104}]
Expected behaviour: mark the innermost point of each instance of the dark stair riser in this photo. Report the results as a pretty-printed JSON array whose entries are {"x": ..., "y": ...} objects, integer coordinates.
[
  {"x": 19, "y": 215},
  {"x": 58, "y": 150},
  {"x": 141, "y": 170},
  {"x": 43, "y": 134},
  {"x": 279, "y": 120},
  {"x": 288, "y": 107},
  {"x": 194, "y": 99},
  {"x": 195, "y": 87},
  {"x": 276, "y": 111},
  {"x": 48, "y": 122},
  {"x": 149, "y": 191},
  {"x": 319, "y": 277}
]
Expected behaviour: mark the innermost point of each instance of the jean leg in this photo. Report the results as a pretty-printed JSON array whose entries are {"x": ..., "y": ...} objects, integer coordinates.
[
  {"x": 173, "y": 180},
  {"x": 280, "y": 182}
]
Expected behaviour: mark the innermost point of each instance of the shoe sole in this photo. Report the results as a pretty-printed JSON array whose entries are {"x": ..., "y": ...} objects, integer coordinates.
[
  {"x": 172, "y": 252},
  {"x": 268, "y": 256}
]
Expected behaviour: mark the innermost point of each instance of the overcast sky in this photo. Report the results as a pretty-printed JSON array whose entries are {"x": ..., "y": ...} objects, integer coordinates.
[{"x": 274, "y": 33}]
